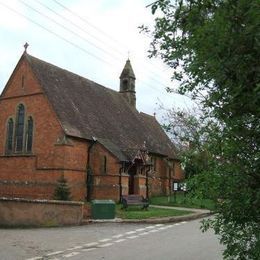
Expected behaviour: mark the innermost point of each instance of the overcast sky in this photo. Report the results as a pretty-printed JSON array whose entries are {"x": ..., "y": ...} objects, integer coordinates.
[{"x": 92, "y": 38}]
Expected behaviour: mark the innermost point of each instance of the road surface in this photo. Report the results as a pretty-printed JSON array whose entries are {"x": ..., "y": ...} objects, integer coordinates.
[{"x": 111, "y": 241}]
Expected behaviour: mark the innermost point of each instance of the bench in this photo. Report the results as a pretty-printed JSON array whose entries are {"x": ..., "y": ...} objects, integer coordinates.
[{"x": 134, "y": 200}]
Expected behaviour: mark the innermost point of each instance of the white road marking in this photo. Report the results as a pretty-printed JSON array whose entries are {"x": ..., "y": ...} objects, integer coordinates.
[
  {"x": 73, "y": 248},
  {"x": 155, "y": 228},
  {"x": 106, "y": 245},
  {"x": 35, "y": 258},
  {"x": 71, "y": 254},
  {"x": 117, "y": 236},
  {"x": 91, "y": 244},
  {"x": 132, "y": 237},
  {"x": 149, "y": 227},
  {"x": 140, "y": 229},
  {"x": 130, "y": 232},
  {"x": 88, "y": 249},
  {"x": 78, "y": 247},
  {"x": 55, "y": 253},
  {"x": 166, "y": 227},
  {"x": 104, "y": 240},
  {"x": 153, "y": 231},
  {"x": 162, "y": 228},
  {"x": 170, "y": 225},
  {"x": 120, "y": 240},
  {"x": 143, "y": 234}
]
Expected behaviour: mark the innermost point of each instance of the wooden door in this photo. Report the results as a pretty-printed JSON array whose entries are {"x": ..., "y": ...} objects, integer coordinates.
[{"x": 131, "y": 180}]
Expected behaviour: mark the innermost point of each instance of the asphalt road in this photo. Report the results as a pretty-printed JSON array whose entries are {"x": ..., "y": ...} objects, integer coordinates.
[{"x": 111, "y": 241}]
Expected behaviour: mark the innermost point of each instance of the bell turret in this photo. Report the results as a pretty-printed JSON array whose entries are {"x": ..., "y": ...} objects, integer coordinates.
[{"x": 127, "y": 84}]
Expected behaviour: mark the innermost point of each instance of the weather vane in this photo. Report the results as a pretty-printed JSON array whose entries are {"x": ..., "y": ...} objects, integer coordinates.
[{"x": 26, "y": 45}]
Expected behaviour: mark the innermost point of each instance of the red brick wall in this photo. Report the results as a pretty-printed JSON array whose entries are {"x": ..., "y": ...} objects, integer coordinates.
[
  {"x": 35, "y": 176},
  {"x": 96, "y": 158},
  {"x": 14, "y": 85},
  {"x": 156, "y": 182},
  {"x": 124, "y": 183},
  {"x": 178, "y": 172},
  {"x": 22, "y": 212},
  {"x": 105, "y": 184},
  {"x": 140, "y": 185},
  {"x": 159, "y": 183}
]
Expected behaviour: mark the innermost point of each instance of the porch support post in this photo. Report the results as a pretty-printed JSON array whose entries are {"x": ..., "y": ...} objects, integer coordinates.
[
  {"x": 147, "y": 182},
  {"x": 140, "y": 185}
]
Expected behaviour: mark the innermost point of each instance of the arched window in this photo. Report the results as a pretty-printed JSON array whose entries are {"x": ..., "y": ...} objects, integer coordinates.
[
  {"x": 153, "y": 161},
  {"x": 19, "y": 132},
  {"x": 105, "y": 165},
  {"x": 29, "y": 137},
  {"x": 10, "y": 134},
  {"x": 125, "y": 84}
]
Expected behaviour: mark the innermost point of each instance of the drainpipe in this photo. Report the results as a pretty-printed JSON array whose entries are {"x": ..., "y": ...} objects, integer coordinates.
[
  {"x": 146, "y": 183},
  {"x": 120, "y": 182},
  {"x": 170, "y": 182},
  {"x": 89, "y": 181}
]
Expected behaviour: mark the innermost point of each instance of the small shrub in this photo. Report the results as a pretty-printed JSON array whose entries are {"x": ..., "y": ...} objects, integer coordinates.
[{"x": 62, "y": 190}]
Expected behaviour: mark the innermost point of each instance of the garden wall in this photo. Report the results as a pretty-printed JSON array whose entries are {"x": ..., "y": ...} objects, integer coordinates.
[{"x": 25, "y": 212}]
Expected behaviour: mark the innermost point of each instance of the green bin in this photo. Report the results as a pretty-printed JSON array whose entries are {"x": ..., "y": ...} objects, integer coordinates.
[{"x": 103, "y": 209}]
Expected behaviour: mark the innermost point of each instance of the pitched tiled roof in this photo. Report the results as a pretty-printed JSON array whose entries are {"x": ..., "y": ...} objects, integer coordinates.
[{"x": 86, "y": 109}]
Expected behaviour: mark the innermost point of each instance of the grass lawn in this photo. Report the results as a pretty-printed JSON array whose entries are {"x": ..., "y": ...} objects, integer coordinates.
[
  {"x": 137, "y": 213},
  {"x": 182, "y": 201}
]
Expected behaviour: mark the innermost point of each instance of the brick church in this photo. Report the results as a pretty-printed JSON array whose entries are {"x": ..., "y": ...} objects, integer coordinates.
[{"x": 55, "y": 123}]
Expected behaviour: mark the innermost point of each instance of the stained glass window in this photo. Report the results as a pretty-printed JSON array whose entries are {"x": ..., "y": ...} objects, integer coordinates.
[
  {"x": 29, "y": 134},
  {"x": 19, "y": 133},
  {"x": 10, "y": 131},
  {"x": 105, "y": 164}
]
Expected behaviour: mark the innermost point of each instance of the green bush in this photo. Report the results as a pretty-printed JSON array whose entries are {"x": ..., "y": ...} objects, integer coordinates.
[{"x": 62, "y": 190}]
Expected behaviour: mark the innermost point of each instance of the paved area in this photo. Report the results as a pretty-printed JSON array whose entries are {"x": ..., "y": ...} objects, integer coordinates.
[
  {"x": 182, "y": 208},
  {"x": 125, "y": 239},
  {"x": 109, "y": 241}
]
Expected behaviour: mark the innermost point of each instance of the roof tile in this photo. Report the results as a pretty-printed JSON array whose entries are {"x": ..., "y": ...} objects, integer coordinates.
[{"x": 86, "y": 109}]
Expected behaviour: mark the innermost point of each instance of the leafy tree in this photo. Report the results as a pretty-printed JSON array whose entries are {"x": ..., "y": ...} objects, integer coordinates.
[
  {"x": 62, "y": 191},
  {"x": 213, "y": 47},
  {"x": 183, "y": 126},
  {"x": 192, "y": 133},
  {"x": 186, "y": 129}
]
